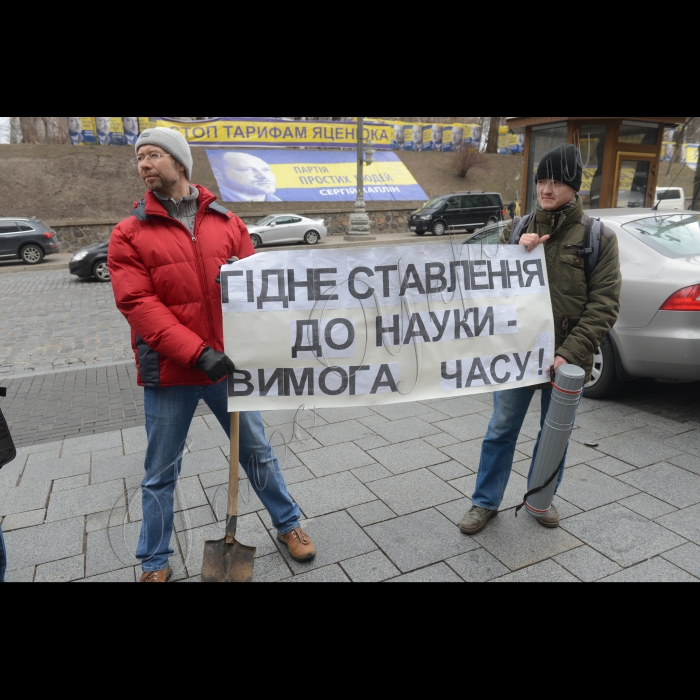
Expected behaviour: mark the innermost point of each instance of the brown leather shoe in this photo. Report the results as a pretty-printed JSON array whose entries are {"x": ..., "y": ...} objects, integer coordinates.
[
  {"x": 551, "y": 520},
  {"x": 476, "y": 520},
  {"x": 157, "y": 576},
  {"x": 300, "y": 545}
]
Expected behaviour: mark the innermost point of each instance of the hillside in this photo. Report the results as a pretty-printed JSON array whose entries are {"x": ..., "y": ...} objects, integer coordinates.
[{"x": 60, "y": 183}]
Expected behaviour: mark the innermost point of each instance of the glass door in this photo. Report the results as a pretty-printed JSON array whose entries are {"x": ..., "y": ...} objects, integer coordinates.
[{"x": 633, "y": 180}]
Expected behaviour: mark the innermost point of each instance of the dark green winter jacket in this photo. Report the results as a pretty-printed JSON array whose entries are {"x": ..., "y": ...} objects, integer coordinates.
[{"x": 583, "y": 313}]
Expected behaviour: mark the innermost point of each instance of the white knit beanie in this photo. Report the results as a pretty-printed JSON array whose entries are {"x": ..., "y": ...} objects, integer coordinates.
[{"x": 171, "y": 141}]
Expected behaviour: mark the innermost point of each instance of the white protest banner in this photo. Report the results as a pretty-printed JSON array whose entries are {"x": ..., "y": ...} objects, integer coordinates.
[{"x": 372, "y": 326}]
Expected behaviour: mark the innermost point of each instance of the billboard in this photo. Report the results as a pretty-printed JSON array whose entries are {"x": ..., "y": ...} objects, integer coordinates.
[
  {"x": 131, "y": 130},
  {"x": 437, "y": 134},
  {"x": 668, "y": 150},
  {"x": 81, "y": 130},
  {"x": 309, "y": 176},
  {"x": 690, "y": 154},
  {"x": 453, "y": 138},
  {"x": 110, "y": 131},
  {"x": 269, "y": 133},
  {"x": 472, "y": 135},
  {"x": 398, "y": 143},
  {"x": 147, "y": 123},
  {"x": 510, "y": 143},
  {"x": 413, "y": 137}
]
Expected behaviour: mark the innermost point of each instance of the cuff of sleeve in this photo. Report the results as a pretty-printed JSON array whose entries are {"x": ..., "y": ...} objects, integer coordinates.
[
  {"x": 567, "y": 356},
  {"x": 197, "y": 355}
]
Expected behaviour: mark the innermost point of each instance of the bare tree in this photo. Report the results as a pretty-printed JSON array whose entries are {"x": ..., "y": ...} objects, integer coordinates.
[
  {"x": 492, "y": 146},
  {"x": 467, "y": 160},
  {"x": 680, "y": 140},
  {"x": 44, "y": 129}
]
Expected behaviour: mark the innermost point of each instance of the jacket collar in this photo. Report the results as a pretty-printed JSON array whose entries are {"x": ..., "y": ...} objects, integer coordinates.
[
  {"x": 154, "y": 207},
  {"x": 556, "y": 221}
]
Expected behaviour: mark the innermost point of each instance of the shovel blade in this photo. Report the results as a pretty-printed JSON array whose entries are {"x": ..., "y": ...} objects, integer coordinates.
[{"x": 228, "y": 563}]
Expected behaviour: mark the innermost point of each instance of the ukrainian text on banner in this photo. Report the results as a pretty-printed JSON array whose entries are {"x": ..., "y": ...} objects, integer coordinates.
[
  {"x": 266, "y": 132},
  {"x": 309, "y": 176},
  {"x": 373, "y": 326}
]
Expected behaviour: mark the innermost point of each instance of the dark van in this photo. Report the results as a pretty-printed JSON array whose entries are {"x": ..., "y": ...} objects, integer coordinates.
[{"x": 463, "y": 211}]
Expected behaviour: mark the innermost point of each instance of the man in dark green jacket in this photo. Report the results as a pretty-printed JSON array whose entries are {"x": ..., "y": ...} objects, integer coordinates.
[{"x": 584, "y": 313}]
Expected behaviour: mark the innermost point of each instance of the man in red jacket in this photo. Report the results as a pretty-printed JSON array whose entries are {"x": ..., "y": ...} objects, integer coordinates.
[{"x": 164, "y": 262}]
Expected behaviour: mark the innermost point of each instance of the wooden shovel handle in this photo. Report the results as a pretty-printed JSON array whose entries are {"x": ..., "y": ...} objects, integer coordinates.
[{"x": 234, "y": 465}]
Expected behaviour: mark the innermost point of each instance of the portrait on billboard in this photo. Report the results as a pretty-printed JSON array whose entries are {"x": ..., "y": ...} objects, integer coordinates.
[
  {"x": 244, "y": 177},
  {"x": 81, "y": 130},
  {"x": 417, "y": 137},
  {"x": 437, "y": 137},
  {"x": 278, "y": 175},
  {"x": 457, "y": 138},
  {"x": 75, "y": 130},
  {"x": 103, "y": 130},
  {"x": 399, "y": 142},
  {"x": 131, "y": 130}
]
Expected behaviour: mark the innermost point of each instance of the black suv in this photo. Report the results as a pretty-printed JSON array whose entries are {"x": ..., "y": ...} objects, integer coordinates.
[
  {"x": 462, "y": 211},
  {"x": 30, "y": 240}
]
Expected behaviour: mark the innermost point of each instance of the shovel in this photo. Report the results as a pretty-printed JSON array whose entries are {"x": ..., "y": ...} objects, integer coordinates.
[{"x": 228, "y": 561}]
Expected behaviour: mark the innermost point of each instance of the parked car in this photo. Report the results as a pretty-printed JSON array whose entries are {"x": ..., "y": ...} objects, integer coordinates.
[
  {"x": 91, "y": 262},
  {"x": 30, "y": 240},
  {"x": 658, "y": 332},
  {"x": 670, "y": 198},
  {"x": 462, "y": 211},
  {"x": 287, "y": 228}
]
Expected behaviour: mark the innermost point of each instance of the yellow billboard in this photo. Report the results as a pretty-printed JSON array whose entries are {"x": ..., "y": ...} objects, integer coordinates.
[
  {"x": 81, "y": 130},
  {"x": 268, "y": 132}
]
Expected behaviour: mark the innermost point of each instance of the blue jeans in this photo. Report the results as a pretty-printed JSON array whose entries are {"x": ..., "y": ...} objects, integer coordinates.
[
  {"x": 169, "y": 414},
  {"x": 3, "y": 558},
  {"x": 510, "y": 409}
]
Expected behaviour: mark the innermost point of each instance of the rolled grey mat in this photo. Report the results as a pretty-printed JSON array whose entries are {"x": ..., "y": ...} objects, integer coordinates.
[{"x": 566, "y": 396}]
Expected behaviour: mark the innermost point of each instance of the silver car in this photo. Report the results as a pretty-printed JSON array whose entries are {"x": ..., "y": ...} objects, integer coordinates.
[
  {"x": 658, "y": 332},
  {"x": 287, "y": 228}
]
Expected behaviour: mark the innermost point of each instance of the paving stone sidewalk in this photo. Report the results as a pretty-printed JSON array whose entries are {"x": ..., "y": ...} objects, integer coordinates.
[
  {"x": 381, "y": 492},
  {"x": 56, "y": 321}
]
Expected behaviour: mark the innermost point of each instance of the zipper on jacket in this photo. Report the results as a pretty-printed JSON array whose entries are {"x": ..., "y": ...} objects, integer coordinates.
[
  {"x": 200, "y": 266},
  {"x": 202, "y": 272}
]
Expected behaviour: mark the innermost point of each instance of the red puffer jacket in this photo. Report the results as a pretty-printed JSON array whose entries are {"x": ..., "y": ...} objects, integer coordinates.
[{"x": 164, "y": 281}]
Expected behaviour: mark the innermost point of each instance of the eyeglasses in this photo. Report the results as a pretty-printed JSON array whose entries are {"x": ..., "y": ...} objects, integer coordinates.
[
  {"x": 553, "y": 184},
  {"x": 154, "y": 158}
]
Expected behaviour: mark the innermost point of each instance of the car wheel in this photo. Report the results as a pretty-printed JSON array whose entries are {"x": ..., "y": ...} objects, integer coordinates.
[
  {"x": 31, "y": 254},
  {"x": 312, "y": 238},
  {"x": 101, "y": 271},
  {"x": 492, "y": 221},
  {"x": 605, "y": 381},
  {"x": 257, "y": 241},
  {"x": 439, "y": 229}
]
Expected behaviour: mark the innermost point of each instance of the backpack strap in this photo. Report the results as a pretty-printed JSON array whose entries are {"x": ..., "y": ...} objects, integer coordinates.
[
  {"x": 221, "y": 210},
  {"x": 592, "y": 243},
  {"x": 520, "y": 227}
]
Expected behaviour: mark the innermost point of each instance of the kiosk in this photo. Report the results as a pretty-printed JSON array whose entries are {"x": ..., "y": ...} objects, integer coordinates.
[{"x": 621, "y": 156}]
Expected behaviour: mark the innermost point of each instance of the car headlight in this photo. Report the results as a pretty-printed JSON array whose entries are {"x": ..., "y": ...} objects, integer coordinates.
[
  {"x": 426, "y": 218},
  {"x": 80, "y": 256}
]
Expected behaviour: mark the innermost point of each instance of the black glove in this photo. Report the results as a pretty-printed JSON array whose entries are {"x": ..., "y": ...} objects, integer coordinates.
[
  {"x": 215, "y": 365},
  {"x": 228, "y": 262}
]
